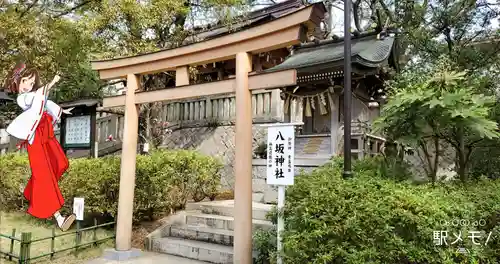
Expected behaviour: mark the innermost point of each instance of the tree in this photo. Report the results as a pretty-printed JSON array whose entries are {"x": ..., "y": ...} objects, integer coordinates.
[
  {"x": 444, "y": 105},
  {"x": 34, "y": 32},
  {"x": 130, "y": 27},
  {"x": 53, "y": 45},
  {"x": 431, "y": 28},
  {"x": 463, "y": 32}
]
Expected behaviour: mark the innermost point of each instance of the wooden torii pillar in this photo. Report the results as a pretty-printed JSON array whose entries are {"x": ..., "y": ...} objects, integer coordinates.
[
  {"x": 280, "y": 33},
  {"x": 242, "y": 85}
]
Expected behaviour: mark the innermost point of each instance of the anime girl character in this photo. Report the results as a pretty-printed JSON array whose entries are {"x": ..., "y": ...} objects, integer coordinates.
[{"x": 35, "y": 127}]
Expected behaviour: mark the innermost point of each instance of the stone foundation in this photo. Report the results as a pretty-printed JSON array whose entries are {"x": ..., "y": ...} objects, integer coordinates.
[
  {"x": 214, "y": 141},
  {"x": 220, "y": 142},
  {"x": 264, "y": 193}
]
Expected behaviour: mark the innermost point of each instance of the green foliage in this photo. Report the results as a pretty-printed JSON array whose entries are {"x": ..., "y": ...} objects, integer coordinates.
[
  {"x": 264, "y": 243},
  {"x": 371, "y": 219},
  {"x": 448, "y": 27},
  {"x": 485, "y": 161},
  {"x": 13, "y": 171},
  {"x": 261, "y": 150},
  {"x": 150, "y": 25},
  {"x": 165, "y": 180},
  {"x": 53, "y": 46},
  {"x": 63, "y": 36},
  {"x": 441, "y": 106}
]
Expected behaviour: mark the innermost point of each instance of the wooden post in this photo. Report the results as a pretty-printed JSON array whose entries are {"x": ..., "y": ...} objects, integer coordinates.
[
  {"x": 113, "y": 127},
  {"x": 93, "y": 130},
  {"x": 28, "y": 247},
  {"x": 78, "y": 237},
  {"x": 182, "y": 76},
  {"x": 208, "y": 108},
  {"x": 278, "y": 106},
  {"x": 12, "y": 144},
  {"x": 334, "y": 123},
  {"x": 243, "y": 163},
  {"x": 52, "y": 243},
  {"x": 24, "y": 254},
  {"x": 96, "y": 150},
  {"x": 62, "y": 133},
  {"x": 288, "y": 116},
  {"x": 12, "y": 243},
  {"x": 127, "y": 169},
  {"x": 94, "y": 237}
]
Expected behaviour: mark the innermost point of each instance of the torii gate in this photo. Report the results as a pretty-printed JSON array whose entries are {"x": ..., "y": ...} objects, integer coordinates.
[{"x": 283, "y": 32}]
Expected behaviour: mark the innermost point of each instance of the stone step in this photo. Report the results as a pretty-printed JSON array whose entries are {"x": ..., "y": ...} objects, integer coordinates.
[
  {"x": 203, "y": 233},
  {"x": 147, "y": 258},
  {"x": 226, "y": 208},
  {"x": 191, "y": 249},
  {"x": 222, "y": 222}
]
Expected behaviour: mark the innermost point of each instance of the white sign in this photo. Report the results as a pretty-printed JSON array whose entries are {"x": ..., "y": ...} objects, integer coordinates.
[
  {"x": 280, "y": 155},
  {"x": 78, "y": 130},
  {"x": 78, "y": 205}
]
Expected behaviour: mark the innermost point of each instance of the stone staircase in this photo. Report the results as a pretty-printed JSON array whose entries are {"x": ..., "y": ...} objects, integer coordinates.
[{"x": 204, "y": 231}]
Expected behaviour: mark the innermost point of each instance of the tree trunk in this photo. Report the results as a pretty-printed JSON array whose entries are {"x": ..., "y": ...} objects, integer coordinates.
[
  {"x": 429, "y": 162},
  {"x": 461, "y": 155},
  {"x": 436, "y": 158},
  {"x": 148, "y": 122}
]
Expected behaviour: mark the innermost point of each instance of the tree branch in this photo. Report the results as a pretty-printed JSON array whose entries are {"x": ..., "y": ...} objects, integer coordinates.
[
  {"x": 471, "y": 144},
  {"x": 28, "y": 9},
  {"x": 72, "y": 9},
  {"x": 355, "y": 14},
  {"x": 386, "y": 10},
  {"x": 427, "y": 156},
  {"x": 112, "y": 83}
]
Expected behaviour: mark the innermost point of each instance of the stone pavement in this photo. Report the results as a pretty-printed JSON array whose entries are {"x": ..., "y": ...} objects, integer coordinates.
[{"x": 149, "y": 258}]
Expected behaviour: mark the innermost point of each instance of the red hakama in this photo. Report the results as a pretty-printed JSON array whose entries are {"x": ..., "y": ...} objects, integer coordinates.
[{"x": 48, "y": 162}]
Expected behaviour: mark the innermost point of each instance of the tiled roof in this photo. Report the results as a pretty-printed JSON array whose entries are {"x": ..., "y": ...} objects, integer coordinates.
[{"x": 367, "y": 51}]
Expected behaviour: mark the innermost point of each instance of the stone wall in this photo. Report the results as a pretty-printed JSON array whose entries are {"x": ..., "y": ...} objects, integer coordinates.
[
  {"x": 261, "y": 191},
  {"x": 220, "y": 142},
  {"x": 214, "y": 141},
  {"x": 446, "y": 166}
]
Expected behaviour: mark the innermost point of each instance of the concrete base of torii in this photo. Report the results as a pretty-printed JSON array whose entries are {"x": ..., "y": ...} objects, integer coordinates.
[{"x": 119, "y": 255}]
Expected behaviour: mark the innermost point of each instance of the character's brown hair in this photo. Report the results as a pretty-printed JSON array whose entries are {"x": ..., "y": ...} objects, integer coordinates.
[{"x": 21, "y": 70}]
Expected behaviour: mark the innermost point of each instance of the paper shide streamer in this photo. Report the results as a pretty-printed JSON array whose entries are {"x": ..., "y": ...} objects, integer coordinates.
[{"x": 311, "y": 101}]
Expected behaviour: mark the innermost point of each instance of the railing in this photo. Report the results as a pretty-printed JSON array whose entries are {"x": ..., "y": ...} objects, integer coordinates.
[
  {"x": 366, "y": 145},
  {"x": 106, "y": 125},
  {"x": 24, "y": 253},
  {"x": 363, "y": 144},
  {"x": 4, "y": 141},
  {"x": 265, "y": 108}
]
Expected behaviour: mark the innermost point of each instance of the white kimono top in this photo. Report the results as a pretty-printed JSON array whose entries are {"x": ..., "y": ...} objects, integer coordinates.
[{"x": 33, "y": 104}]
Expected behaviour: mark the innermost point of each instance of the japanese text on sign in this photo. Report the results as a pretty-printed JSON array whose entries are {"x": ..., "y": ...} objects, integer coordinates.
[
  {"x": 78, "y": 130},
  {"x": 78, "y": 205},
  {"x": 280, "y": 155}
]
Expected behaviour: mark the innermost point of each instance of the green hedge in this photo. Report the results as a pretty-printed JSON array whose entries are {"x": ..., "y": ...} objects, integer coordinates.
[
  {"x": 165, "y": 180},
  {"x": 373, "y": 219}
]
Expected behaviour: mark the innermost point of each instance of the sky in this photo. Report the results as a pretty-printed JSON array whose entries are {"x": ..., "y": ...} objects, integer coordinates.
[{"x": 338, "y": 16}]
